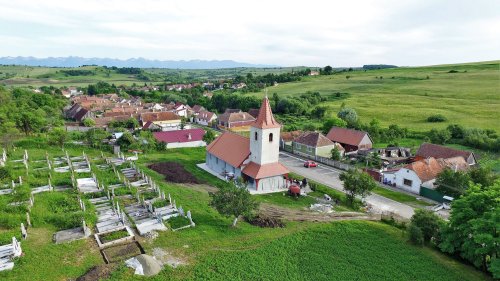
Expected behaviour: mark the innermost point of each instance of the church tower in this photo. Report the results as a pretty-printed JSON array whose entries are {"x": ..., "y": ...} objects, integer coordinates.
[{"x": 265, "y": 136}]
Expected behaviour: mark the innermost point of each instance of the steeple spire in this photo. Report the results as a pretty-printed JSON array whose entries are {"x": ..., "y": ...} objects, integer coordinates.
[{"x": 266, "y": 120}]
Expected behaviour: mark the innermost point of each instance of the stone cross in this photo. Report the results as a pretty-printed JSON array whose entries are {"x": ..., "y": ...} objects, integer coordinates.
[
  {"x": 28, "y": 220},
  {"x": 163, "y": 195},
  {"x": 175, "y": 206},
  {"x": 86, "y": 230},
  {"x": 169, "y": 199},
  {"x": 51, "y": 188},
  {"x": 190, "y": 218},
  {"x": 20, "y": 180},
  {"x": 108, "y": 195},
  {"x": 181, "y": 211},
  {"x": 24, "y": 234}
]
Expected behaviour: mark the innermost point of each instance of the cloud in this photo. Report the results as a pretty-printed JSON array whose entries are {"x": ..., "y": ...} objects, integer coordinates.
[{"x": 261, "y": 31}]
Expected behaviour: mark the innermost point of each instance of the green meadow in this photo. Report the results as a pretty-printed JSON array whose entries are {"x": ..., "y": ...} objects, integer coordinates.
[
  {"x": 348, "y": 250},
  {"x": 466, "y": 94}
]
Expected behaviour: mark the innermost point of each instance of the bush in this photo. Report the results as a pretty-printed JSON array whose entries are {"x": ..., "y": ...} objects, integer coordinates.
[
  {"x": 416, "y": 235},
  {"x": 436, "y": 118},
  {"x": 428, "y": 222}
]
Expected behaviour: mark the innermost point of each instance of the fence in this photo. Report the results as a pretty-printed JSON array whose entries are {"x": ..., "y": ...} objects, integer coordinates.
[
  {"x": 431, "y": 194},
  {"x": 324, "y": 160}
]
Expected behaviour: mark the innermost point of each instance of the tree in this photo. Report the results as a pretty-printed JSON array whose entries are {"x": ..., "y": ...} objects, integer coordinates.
[
  {"x": 452, "y": 183},
  {"x": 416, "y": 235},
  {"x": 318, "y": 112},
  {"x": 209, "y": 136},
  {"x": 439, "y": 136},
  {"x": 374, "y": 160},
  {"x": 29, "y": 121},
  {"x": 428, "y": 222},
  {"x": 335, "y": 154},
  {"x": 473, "y": 228},
  {"x": 357, "y": 183},
  {"x": 126, "y": 140},
  {"x": 94, "y": 137},
  {"x": 483, "y": 176},
  {"x": 327, "y": 70},
  {"x": 132, "y": 123},
  {"x": 233, "y": 200},
  {"x": 276, "y": 100},
  {"x": 332, "y": 122},
  {"x": 58, "y": 136},
  {"x": 88, "y": 122},
  {"x": 349, "y": 115}
]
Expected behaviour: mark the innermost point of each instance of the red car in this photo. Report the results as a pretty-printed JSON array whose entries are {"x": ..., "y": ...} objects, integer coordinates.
[{"x": 310, "y": 164}]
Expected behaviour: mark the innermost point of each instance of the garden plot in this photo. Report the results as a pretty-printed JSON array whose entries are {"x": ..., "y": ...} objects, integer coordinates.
[{"x": 8, "y": 253}]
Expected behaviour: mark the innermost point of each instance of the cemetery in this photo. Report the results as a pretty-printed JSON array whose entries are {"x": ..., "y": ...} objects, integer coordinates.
[{"x": 79, "y": 196}]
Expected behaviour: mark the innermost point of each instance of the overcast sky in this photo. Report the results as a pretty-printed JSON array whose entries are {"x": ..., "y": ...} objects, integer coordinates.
[{"x": 287, "y": 33}]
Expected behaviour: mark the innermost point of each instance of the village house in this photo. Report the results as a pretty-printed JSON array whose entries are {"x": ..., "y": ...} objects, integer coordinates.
[
  {"x": 233, "y": 118},
  {"x": 254, "y": 159},
  {"x": 286, "y": 139},
  {"x": 205, "y": 118},
  {"x": 167, "y": 121},
  {"x": 314, "y": 144},
  {"x": 196, "y": 109},
  {"x": 254, "y": 112},
  {"x": 181, "y": 138},
  {"x": 350, "y": 139},
  {"x": 422, "y": 173},
  {"x": 427, "y": 150}
]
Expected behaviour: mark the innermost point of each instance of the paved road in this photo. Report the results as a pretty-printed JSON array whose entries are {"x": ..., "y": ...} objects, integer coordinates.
[{"x": 330, "y": 177}]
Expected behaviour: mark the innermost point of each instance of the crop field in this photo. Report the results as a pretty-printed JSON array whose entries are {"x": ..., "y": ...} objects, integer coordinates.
[
  {"x": 466, "y": 94},
  {"x": 214, "y": 251}
]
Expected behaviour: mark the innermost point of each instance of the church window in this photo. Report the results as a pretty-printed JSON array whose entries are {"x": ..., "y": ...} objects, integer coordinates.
[
  {"x": 271, "y": 137},
  {"x": 255, "y": 136}
]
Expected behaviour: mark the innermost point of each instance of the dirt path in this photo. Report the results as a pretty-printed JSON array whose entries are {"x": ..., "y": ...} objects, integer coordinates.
[{"x": 306, "y": 215}]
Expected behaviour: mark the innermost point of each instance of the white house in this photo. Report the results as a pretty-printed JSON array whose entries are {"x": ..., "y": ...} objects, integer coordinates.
[
  {"x": 205, "y": 118},
  {"x": 181, "y": 138},
  {"x": 421, "y": 173}
]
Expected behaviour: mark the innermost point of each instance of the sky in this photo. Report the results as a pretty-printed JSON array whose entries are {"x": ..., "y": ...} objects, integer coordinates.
[{"x": 285, "y": 33}]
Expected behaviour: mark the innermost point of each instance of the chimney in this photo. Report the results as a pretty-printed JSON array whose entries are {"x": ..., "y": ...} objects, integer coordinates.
[
  {"x": 189, "y": 136},
  {"x": 428, "y": 161}
]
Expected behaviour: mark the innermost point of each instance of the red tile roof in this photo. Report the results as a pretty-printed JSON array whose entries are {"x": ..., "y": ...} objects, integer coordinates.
[
  {"x": 265, "y": 119},
  {"x": 313, "y": 139},
  {"x": 232, "y": 148},
  {"x": 346, "y": 136},
  {"x": 428, "y": 169},
  {"x": 290, "y": 136},
  {"x": 159, "y": 116},
  {"x": 257, "y": 171},
  {"x": 188, "y": 135},
  {"x": 438, "y": 151}
]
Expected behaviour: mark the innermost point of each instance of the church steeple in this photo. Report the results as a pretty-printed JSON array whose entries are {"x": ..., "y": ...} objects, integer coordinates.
[{"x": 265, "y": 119}]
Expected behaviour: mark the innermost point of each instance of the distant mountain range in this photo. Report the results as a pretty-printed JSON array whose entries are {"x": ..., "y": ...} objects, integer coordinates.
[{"x": 134, "y": 62}]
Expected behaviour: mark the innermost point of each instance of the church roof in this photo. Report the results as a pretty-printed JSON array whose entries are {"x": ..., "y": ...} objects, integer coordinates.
[
  {"x": 230, "y": 147},
  {"x": 257, "y": 171},
  {"x": 265, "y": 119}
]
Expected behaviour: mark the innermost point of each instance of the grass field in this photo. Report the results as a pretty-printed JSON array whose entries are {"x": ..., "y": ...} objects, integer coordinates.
[
  {"x": 214, "y": 251},
  {"x": 404, "y": 96}
]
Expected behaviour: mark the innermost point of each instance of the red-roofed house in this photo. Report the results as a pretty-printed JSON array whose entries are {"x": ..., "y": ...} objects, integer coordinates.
[
  {"x": 438, "y": 151},
  {"x": 255, "y": 160},
  {"x": 205, "y": 118},
  {"x": 351, "y": 140},
  {"x": 181, "y": 138},
  {"x": 422, "y": 173}
]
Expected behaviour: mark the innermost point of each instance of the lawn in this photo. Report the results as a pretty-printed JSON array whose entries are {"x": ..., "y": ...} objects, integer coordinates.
[
  {"x": 405, "y": 96},
  {"x": 400, "y": 197},
  {"x": 215, "y": 251}
]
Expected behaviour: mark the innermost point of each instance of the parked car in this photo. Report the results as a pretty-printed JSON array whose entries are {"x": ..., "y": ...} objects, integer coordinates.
[{"x": 310, "y": 164}]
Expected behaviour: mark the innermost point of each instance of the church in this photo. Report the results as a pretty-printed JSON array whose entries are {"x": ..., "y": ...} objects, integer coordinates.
[{"x": 254, "y": 159}]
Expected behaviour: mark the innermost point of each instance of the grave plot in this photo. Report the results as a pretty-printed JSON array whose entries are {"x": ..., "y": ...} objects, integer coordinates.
[
  {"x": 144, "y": 219},
  {"x": 109, "y": 217},
  {"x": 88, "y": 185},
  {"x": 8, "y": 253}
]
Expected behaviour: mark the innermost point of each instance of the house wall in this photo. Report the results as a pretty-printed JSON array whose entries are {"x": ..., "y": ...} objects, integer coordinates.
[
  {"x": 365, "y": 143},
  {"x": 403, "y": 174},
  {"x": 220, "y": 166},
  {"x": 324, "y": 151},
  {"x": 240, "y": 124},
  {"x": 272, "y": 183},
  {"x": 302, "y": 148},
  {"x": 186, "y": 144}
]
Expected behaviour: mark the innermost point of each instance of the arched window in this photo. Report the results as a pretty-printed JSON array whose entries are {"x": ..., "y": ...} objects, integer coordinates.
[
  {"x": 271, "y": 137},
  {"x": 255, "y": 135}
]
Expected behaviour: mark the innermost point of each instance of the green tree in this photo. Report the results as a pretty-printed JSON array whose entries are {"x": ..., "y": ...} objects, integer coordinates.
[
  {"x": 94, "y": 137},
  {"x": 276, "y": 100},
  {"x": 331, "y": 122},
  {"x": 428, "y": 222},
  {"x": 209, "y": 136},
  {"x": 335, "y": 154},
  {"x": 132, "y": 123},
  {"x": 88, "y": 122},
  {"x": 318, "y": 112},
  {"x": 349, "y": 115},
  {"x": 483, "y": 176},
  {"x": 126, "y": 140},
  {"x": 327, "y": 70},
  {"x": 58, "y": 136},
  {"x": 357, "y": 183},
  {"x": 29, "y": 121},
  {"x": 233, "y": 200},
  {"x": 473, "y": 228},
  {"x": 452, "y": 183},
  {"x": 439, "y": 136},
  {"x": 416, "y": 235}
]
